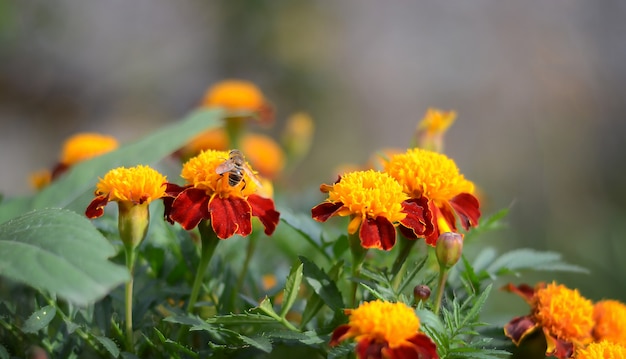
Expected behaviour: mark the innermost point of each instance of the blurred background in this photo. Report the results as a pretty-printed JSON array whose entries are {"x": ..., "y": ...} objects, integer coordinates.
[{"x": 539, "y": 88}]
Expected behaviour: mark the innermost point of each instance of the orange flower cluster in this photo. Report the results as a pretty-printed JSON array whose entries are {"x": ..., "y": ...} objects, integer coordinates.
[{"x": 571, "y": 323}]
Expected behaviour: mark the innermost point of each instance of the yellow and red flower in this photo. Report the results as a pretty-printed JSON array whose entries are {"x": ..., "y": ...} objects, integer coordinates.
[
  {"x": 564, "y": 316},
  {"x": 239, "y": 96},
  {"x": 138, "y": 185},
  {"x": 376, "y": 205},
  {"x": 433, "y": 182},
  {"x": 83, "y": 146},
  {"x": 385, "y": 330},
  {"x": 209, "y": 196},
  {"x": 601, "y": 350},
  {"x": 610, "y": 319}
]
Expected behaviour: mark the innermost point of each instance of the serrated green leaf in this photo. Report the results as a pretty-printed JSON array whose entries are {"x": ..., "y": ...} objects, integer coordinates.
[
  {"x": 109, "y": 345},
  {"x": 322, "y": 284},
  {"x": 266, "y": 307},
  {"x": 292, "y": 287},
  {"x": 531, "y": 259},
  {"x": 61, "y": 252},
  {"x": 82, "y": 177},
  {"x": 315, "y": 302},
  {"x": 306, "y": 338},
  {"x": 260, "y": 343},
  {"x": 385, "y": 294},
  {"x": 39, "y": 319},
  {"x": 241, "y": 319}
]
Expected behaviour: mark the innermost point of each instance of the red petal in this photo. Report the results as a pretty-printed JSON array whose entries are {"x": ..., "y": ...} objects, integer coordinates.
[
  {"x": 419, "y": 218},
  {"x": 369, "y": 349},
  {"x": 518, "y": 328},
  {"x": 338, "y": 334},
  {"x": 468, "y": 208},
  {"x": 377, "y": 233},
  {"x": 558, "y": 347},
  {"x": 432, "y": 237},
  {"x": 263, "y": 208},
  {"x": 523, "y": 290},
  {"x": 422, "y": 348},
  {"x": 325, "y": 210},
  {"x": 96, "y": 207},
  {"x": 230, "y": 215},
  {"x": 189, "y": 208}
]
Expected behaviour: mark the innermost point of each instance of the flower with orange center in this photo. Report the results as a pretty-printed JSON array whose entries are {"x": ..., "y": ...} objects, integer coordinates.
[
  {"x": 212, "y": 196},
  {"x": 610, "y": 319},
  {"x": 434, "y": 183},
  {"x": 138, "y": 185},
  {"x": 376, "y": 204},
  {"x": 601, "y": 350},
  {"x": 385, "y": 330},
  {"x": 565, "y": 317},
  {"x": 239, "y": 96}
]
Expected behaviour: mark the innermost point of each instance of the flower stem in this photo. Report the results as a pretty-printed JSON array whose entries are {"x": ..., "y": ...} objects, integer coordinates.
[
  {"x": 209, "y": 242},
  {"x": 128, "y": 298},
  {"x": 358, "y": 256},
  {"x": 246, "y": 263},
  {"x": 399, "y": 264},
  {"x": 443, "y": 277}
]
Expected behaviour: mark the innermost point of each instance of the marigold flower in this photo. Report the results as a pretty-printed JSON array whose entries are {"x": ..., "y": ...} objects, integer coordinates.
[
  {"x": 376, "y": 204},
  {"x": 385, "y": 330},
  {"x": 433, "y": 182},
  {"x": 136, "y": 185},
  {"x": 610, "y": 319},
  {"x": 565, "y": 317},
  {"x": 601, "y": 350},
  {"x": 209, "y": 196},
  {"x": 264, "y": 154},
  {"x": 430, "y": 130},
  {"x": 40, "y": 179},
  {"x": 239, "y": 95}
]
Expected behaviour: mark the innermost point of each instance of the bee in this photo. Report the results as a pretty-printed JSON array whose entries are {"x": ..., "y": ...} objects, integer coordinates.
[{"x": 236, "y": 167}]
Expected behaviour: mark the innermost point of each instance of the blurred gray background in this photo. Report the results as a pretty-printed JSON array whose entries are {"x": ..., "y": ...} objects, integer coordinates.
[{"x": 539, "y": 86}]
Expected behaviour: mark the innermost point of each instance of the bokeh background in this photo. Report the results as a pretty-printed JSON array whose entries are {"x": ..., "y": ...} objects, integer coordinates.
[{"x": 539, "y": 86}]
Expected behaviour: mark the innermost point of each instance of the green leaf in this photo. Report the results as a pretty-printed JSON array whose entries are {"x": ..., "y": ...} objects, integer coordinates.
[
  {"x": 109, "y": 345},
  {"x": 4, "y": 354},
  {"x": 307, "y": 227},
  {"x": 315, "y": 302},
  {"x": 61, "y": 252},
  {"x": 322, "y": 284},
  {"x": 306, "y": 338},
  {"x": 82, "y": 177},
  {"x": 530, "y": 259},
  {"x": 39, "y": 319},
  {"x": 292, "y": 287}
]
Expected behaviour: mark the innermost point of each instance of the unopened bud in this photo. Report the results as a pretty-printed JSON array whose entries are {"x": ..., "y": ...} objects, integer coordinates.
[
  {"x": 421, "y": 293},
  {"x": 449, "y": 249}
]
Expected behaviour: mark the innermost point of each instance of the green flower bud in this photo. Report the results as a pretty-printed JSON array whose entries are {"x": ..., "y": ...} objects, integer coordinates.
[{"x": 449, "y": 249}]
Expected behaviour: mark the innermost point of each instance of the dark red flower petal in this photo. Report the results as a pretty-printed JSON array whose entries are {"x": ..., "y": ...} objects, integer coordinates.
[
  {"x": 171, "y": 192},
  {"x": 523, "y": 290},
  {"x": 558, "y": 347},
  {"x": 418, "y": 220},
  {"x": 421, "y": 348},
  {"x": 325, "y": 210},
  {"x": 435, "y": 213},
  {"x": 230, "y": 215},
  {"x": 338, "y": 334},
  {"x": 377, "y": 233},
  {"x": 518, "y": 328},
  {"x": 189, "y": 208},
  {"x": 95, "y": 209},
  {"x": 468, "y": 208},
  {"x": 263, "y": 208},
  {"x": 370, "y": 349}
]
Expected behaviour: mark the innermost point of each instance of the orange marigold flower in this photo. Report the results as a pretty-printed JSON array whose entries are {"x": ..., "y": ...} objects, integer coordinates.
[
  {"x": 385, "y": 330},
  {"x": 434, "y": 183},
  {"x": 430, "y": 131},
  {"x": 239, "y": 96},
  {"x": 264, "y": 154},
  {"x": 376, "y": 204},
  {"x": 222, "y": 198},
  {"x": 610, "y": 319},
  {"x": 601, "y": 350},
  {"x": 565, "y": 317},
  {"x": 136, "y": 185},
  {"x": 40, "y": 179}
]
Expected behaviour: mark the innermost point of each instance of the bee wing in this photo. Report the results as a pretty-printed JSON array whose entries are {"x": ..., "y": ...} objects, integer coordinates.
[
  {"x": 224, "y": 167},
  {"x": 252, "y": 175}
]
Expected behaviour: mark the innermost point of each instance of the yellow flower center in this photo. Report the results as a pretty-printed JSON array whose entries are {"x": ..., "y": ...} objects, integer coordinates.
[
  {"x": 436, "y": 121},
  {"x": 369, "y": 194},
  {"x": 610, "y": 318},
  {"x": 234, "y": 95},
  {"x": 429, "y": 174},
  {"x": 201, "y": 171},
  {"x": 601, "y": 350},
  {"x": 84, "y": 146},
  {"x": 393, "y": 323},
  {"x": 564, "y": 313},
  {"x": 140, "y": 184}
]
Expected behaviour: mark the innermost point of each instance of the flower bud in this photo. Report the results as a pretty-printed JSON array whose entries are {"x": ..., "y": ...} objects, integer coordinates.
[
  {"x": 449, "y": 249},
  {"x": 421, "y": 293}
]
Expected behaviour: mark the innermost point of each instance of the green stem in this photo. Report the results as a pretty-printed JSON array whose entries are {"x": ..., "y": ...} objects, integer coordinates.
[
  {"x": 358, "y": 256},
  {"x": 443, "y": 276},
  {"x": 128, "y": 297},
  {"x": 399, "y": 265},
  {"x": 209, "y": 242},
  {"x": 246, "y": 263}
]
